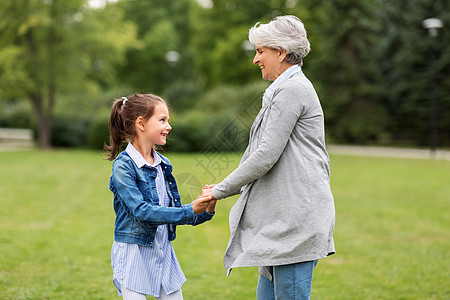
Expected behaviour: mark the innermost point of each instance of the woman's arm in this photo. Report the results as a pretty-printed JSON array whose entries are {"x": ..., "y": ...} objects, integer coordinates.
[{"x": 286, "y": 108}]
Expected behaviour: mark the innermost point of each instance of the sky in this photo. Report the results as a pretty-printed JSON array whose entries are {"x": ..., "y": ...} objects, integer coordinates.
[{"x": 99, "y": 3}]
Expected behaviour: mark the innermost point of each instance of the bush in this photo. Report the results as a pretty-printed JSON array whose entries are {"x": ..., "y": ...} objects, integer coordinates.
[
  {"x": 189, "y": 133},
  {"x": 98, "y": 132},
  {"x": 70, "y": 131},
  {"x": 365, "y": 124},
  {"x": 219, "y": 121},
  {"x": 181, "y": 95},
  {"x": 17, "y": 116}
]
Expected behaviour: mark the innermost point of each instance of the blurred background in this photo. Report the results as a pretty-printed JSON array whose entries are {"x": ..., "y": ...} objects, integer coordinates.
[
  {"x": 381, "y": 69},
  {"x": 381, "y": 73}
]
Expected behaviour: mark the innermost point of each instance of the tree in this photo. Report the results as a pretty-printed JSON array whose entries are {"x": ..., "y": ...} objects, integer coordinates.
[
  {"x": 162, "y": 27},
  {"x": 51, "y": 48},
  {"x": 343, "y": 67},
  {"x": 220, "y": 33},
  {"x": 404, "y": 62}
]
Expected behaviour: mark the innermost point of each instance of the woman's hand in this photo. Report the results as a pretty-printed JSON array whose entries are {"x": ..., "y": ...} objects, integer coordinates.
[{"x": 207, "y": 191}]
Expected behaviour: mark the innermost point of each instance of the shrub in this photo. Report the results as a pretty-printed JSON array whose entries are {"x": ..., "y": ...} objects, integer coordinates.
[
  {"x": 220, "y": 120},
  {"x": 70, "y": 131},
  {"x": 98, "y": 132},
  {"x": 17, "y": 116}
]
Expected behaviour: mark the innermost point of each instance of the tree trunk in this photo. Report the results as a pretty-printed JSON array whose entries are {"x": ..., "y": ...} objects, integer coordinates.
[{"x": 44, "y": 122}]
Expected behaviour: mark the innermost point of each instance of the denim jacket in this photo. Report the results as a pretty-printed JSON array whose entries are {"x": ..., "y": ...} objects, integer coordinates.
[{"x": 136, "y": 202}]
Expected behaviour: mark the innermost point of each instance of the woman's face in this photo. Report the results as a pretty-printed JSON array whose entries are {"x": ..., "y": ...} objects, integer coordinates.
[{"x": 270, "y": 62}]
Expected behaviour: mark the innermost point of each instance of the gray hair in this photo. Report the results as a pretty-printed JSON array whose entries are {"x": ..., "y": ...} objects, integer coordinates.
[{"x": 283, "y": 32}]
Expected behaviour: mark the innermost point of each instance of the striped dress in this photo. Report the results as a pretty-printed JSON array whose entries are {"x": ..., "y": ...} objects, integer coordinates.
[{"x": 146, "y": 269}]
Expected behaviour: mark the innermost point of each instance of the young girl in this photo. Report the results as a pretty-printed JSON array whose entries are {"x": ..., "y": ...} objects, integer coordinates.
[{"x": 146, "y": 201}]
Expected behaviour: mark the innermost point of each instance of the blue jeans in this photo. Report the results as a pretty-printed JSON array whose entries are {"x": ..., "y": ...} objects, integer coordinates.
[{"x": 289, "y": 282}]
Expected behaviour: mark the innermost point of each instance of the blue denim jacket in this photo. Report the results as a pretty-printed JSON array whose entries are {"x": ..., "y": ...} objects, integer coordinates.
[{"x": 136, "y": 202}]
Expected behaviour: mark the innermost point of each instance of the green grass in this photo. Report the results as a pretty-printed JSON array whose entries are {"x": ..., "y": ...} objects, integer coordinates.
[{"x": 392, "y": 229}]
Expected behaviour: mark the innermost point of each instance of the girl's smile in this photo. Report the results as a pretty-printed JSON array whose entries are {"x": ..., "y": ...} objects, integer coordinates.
[{"x": 157, "y": 126}]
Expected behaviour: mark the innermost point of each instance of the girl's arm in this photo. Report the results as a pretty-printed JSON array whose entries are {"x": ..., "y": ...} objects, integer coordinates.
[
  {"x": 125, "y": 183},
  {"x": 200, "y": 218}
]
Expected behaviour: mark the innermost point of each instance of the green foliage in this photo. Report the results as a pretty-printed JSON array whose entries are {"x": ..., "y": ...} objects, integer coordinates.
[
  {"x": 70, "y": 131},
  {"x": 182, "y": 95},
  {"x": 156, "y": 43},
  {"x": 190, "y": 132},
  {"x": 16, "y": 116},
  {"x": 363, "y": 124},
  {"x": 12, "y": 72},
  {"x": 162, "y": 27},
  {"x": 405, "y": 63},
  {"x": 369, "y": 61},
  {"x": 53, "y": 48},
  {"x": 98, "y": 132},
  {"x": 343, "y": 67},
  {"x": 221, "y": 30},
  {"x": 234, "y": 65},
  {"x": 391, "y": 230},
  {"x": 219, "y": 121},
  {"x": 79, "y": 131}
]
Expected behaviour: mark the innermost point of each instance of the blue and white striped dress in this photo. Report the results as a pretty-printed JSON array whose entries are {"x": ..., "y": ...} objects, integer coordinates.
[{"x": 146, "y": 269}]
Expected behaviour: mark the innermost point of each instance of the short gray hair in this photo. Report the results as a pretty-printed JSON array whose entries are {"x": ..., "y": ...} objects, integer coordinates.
[{"x": 283, "y": 32}]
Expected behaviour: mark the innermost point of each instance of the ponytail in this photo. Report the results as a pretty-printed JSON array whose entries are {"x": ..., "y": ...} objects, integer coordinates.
[{"x": 117, "y": 132}]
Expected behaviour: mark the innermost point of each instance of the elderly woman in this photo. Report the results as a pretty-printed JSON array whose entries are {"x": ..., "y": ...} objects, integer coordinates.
[{"x": 284, "y": 218}]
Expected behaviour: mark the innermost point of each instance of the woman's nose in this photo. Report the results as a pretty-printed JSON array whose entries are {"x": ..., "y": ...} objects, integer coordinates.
[{"x": 255, "y": 59}]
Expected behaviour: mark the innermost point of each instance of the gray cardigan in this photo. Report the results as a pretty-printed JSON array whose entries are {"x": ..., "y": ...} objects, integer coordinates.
[{"x": 285, "y": 213}]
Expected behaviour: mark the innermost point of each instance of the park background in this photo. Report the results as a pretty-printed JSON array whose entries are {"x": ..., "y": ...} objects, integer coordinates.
[{"x": 377, "y": 72}]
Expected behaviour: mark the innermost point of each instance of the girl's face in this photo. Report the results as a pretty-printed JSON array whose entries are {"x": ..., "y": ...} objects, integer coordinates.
[
  {"x": 268, "y": 61},
  {"x": 157, "y": 126}
]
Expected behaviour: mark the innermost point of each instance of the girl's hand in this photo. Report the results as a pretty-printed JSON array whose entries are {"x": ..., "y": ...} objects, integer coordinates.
[
  {"x": 200, "y": 204},
  {"x": 211, "y": 206}
]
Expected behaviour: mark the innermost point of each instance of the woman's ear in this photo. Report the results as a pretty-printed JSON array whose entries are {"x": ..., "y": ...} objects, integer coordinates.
[
  {"x": 140, "y": 123},
  {"x": 281, "y": 55}
]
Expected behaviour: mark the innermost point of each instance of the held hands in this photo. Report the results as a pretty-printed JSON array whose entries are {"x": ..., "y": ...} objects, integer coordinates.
[
  {"x": 205, "y": 202},
  {"x": 207, "y": 191}
]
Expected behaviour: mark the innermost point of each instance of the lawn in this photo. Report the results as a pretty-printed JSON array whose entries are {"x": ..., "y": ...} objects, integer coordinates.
[{"x": 392, "y": 231}]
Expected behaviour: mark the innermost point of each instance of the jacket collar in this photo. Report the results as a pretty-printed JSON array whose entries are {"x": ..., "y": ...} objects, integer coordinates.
[
  {"x": 285, "y": 75},
  {"x": 139, "y": 160}
]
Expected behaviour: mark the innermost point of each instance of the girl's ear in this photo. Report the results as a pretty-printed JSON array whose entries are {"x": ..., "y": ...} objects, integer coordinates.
[{"x": 140, "y": 123}]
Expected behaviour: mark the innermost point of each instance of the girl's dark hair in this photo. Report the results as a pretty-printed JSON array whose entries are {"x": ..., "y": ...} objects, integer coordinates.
[{"x": 124, "y": 113}]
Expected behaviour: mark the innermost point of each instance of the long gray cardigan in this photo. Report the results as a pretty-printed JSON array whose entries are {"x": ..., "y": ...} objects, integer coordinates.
[{"x": 285, "y": 213}]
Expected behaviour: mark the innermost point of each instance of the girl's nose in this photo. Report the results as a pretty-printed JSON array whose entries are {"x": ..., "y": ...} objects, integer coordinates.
[{"x": 168, "y": 127}]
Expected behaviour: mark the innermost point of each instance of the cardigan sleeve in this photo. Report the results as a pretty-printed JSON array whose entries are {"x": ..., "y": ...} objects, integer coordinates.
[{"x": 286, "y": 107}]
